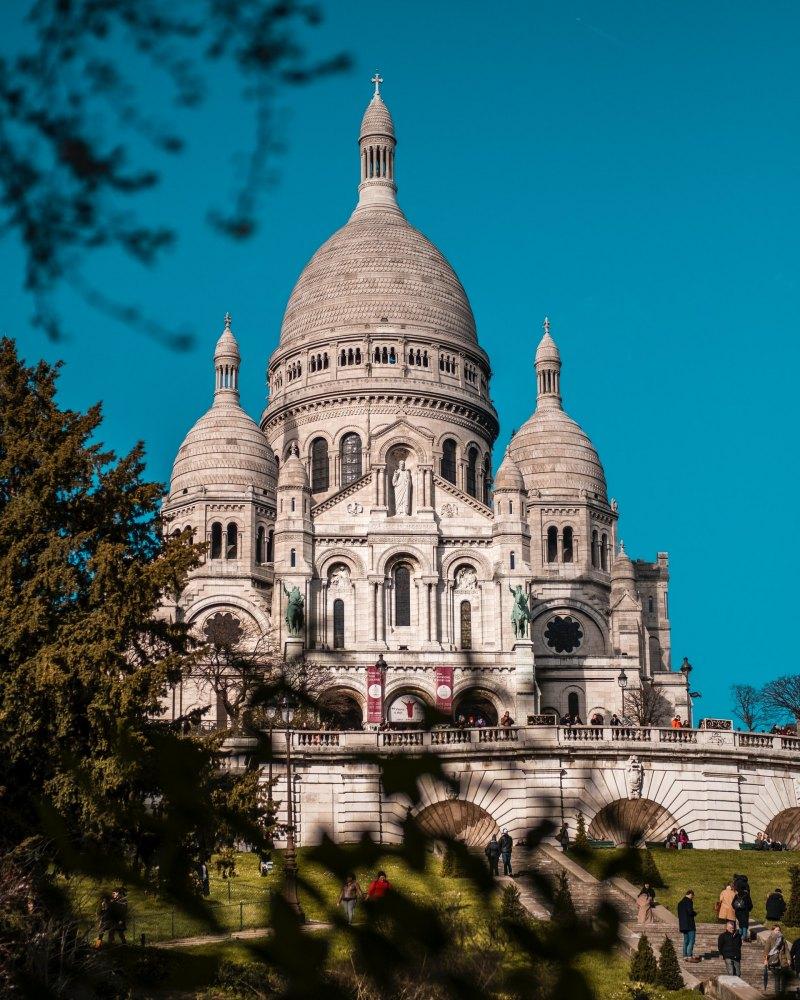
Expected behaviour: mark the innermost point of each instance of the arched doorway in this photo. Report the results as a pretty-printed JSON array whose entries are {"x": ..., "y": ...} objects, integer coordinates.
[
  {"x": 340, "y": 710},
  {"x": 458, "y": 820},
  {"x": 785, "y": 827},
  {"x": 477, "y": 706},
  {"x": 632, "y": 822},
  {"x": 406, "y": 711}
]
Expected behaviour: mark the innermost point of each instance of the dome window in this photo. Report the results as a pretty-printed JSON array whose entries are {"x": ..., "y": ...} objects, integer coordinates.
[
  {"x": 216, "y": 540},
  {"x": 320, "y": 477},
  {"x": 260, "y": 545},
  {"x": 595, "y": 550},
  {"x": 232, "y": 541},
  {"x": 552, "y": 544},
  {"x": 604, "y": 552},
  {"x": 351, "y": 458},
  {"x": 449, "y": 461},
  {"x": 270, "y": 547},
  {"x": 567, "y": 545},
  {"x": 472, "y": 472},
  {"x": 487, "y": 481}
]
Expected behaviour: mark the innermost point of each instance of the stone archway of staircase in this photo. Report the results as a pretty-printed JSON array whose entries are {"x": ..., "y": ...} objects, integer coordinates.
[
  {"x": 632, "y": 821},
  {"x": 785, "y": 827},
  {"x": 457, "y": 819}
]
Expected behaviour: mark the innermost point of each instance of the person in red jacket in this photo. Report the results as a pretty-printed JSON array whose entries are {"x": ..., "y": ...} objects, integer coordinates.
[{"x": 378, "y": 887}]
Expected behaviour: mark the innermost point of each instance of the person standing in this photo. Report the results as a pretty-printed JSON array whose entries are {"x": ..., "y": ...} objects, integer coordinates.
[
  {"x": 645, "y": 904},
  {"x": 687, "y": 916},
  {"x": 506, "y": 846},
  {"x": 563, "y": 837},
  {"x": 378, "y": 887},
  {"x": 105, "y": 918},
  {"x": 742, "y": 905},
  {"x": 776, "y": 958},
  {"x": 776, "y": 905},
  {"x": 119, "y": 915},
  {"x": 729, "y": 945},
  {"x": 725, "y": 910},
  {"x": 350, "y": 895},
  {"x": 492, "y": 852}
]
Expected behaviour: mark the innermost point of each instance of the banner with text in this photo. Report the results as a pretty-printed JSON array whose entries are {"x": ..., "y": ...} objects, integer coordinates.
[
  {"x": 444, "y": 689},
  {"x": 374, "y": 694}
]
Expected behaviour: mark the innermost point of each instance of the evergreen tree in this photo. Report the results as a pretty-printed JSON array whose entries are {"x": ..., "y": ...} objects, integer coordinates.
[
  {"x": 511, "y": 908},
  {"x": 792, "y": 916},
  {"x": 563, "y": 907},
  {"x": 650, "y": 872},
  {"x": 644, "y": 968},
  {"x": 92, "y": 778},
  {"x": 669, "y": 972},
  {"x": 581, "y": 839}
]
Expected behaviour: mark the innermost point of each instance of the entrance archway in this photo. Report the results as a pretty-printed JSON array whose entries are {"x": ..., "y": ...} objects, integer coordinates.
[
  {"x": 477, "y": 705},
  {"x": 785, "y": 827},
  {"x": 458, "y": 820},
  {"x": 340, "y": 710},
  {"x": 632, "y": 822}
]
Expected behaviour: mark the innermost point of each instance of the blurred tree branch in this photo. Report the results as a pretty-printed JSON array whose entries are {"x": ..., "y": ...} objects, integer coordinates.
[{"x": 75, "y": 129}]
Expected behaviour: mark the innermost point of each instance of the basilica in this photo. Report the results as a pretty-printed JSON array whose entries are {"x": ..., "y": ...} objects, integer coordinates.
[{"x": 364, "y": 497}]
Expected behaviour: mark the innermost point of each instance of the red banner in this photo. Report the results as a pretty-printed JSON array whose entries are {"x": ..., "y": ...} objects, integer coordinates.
[
  {"x": 444, "y": 689},
  {"x": 374, "y": 694}
]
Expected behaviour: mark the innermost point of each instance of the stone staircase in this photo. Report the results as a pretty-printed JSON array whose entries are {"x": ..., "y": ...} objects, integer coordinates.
[{"x": 587, "y": 893}]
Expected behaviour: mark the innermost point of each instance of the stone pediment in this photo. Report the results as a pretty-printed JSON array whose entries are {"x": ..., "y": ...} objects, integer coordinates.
[
  {"x": 625, "y": 602},
  {"x": 403, "y": 424},
  {"x": 455, "y": 502},
  {"x": 350, "y": 499}
]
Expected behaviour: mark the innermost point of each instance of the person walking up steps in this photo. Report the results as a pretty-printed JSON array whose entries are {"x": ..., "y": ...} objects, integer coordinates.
[
  {"x": 729, "y": 945},
  {"x": 687, "y": 925},
  {"x": 506, "y": 846},
  {"x": 776, "y": 959},
  {"x": 492, "y": 853}
]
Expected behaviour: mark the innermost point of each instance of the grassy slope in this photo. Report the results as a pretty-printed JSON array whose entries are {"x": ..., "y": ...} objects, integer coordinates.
[{"x": 707, "y": 872}]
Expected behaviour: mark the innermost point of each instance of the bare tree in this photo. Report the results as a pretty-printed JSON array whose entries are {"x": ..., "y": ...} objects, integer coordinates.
[
  {"x": 748, "y": 706},
  {"x": 646, "y": 705},
  {"x": 783, "y": 696},
  {"x": 75, "y": 127}
]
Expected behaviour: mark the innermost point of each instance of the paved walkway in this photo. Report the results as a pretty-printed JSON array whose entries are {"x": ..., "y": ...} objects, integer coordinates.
[{"x": 247, "y": 935}]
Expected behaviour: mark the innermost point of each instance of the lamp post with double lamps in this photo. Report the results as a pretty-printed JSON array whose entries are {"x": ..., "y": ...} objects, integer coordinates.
[
  {"x": 290, "y": 855},
  {"x": 686, "y": 668},
  {"x": 622, "y": 680}
]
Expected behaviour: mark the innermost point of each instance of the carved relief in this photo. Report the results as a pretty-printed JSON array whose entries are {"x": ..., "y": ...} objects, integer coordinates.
[
  {"x": 449, "y": 509},
  {"x": 466, "y": 580}
]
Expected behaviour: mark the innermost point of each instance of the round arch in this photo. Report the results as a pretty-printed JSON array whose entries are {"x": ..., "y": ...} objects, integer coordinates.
[
  {"x": 632, "y": 822},
  {"x": 399, "y": 552},
  {"x": 475, "y": 559},
  {"x": 353, "y": 561},
  {"x": 341, "y": 708},
  {"x": 203, "y": 609},
  {"x": 555, "y": 607},
  {"x": 457, "y": 819},
  {"x": 477, "y": 701},
  {"x": 785, "y": 828},
  {"x": 418, "y": 450},
  {"x": 344, "y": 431}
]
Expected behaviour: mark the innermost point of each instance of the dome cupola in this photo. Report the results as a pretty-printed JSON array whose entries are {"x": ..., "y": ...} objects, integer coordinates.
[
  {"x": 226, "y": 450},
  {"x": 509, "y": 478}
]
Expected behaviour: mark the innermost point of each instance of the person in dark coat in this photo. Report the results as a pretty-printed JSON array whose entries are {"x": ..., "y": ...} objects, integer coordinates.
[
  {"x": 506, "y": 845},
  {"x": 492, "y": 852},
  {"x": 794, "y": 957},
  {"x": 729, "y": 945},
  {"x": 687, "y": 925},
  {"x": 776, "y": 905},
  {"x": 742, "y": 905}
]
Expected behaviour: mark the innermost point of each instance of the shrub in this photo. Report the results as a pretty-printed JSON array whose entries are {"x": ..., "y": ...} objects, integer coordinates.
[
  {"x": 644, "y": 968},
  {"x": 511, "y": 908},
  {"x": 581, "y": 839},
  {"x": 650, "y": 872},
  {"x": 563, "y": 907},
  {"x": 669, "y": 972},
  {"x": 792, "y": 916}
]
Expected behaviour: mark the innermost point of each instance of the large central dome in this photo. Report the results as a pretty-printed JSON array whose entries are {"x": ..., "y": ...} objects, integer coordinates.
[{"x": 377, "y": 268}]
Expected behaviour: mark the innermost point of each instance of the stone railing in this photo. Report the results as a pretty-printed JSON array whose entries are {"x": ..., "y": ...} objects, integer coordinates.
[{"x": 471, "y": 740}]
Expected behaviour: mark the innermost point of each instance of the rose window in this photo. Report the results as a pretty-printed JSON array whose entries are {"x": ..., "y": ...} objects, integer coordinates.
[
  {"x": 223, "y": 629},
  {"x": 563, "y": 634}
]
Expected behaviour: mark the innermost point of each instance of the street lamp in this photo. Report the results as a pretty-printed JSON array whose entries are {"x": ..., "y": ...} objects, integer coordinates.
[
  {"x": 686, "y": 669},
  {"x": 290, "y": 856},
  {"x": 622, "y": 680}
]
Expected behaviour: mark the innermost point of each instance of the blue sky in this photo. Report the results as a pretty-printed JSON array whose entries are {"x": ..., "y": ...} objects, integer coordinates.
[{"x": 628, "y": 169}]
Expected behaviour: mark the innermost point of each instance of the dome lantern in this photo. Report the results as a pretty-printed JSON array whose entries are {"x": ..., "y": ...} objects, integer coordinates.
[
  {"x": 376, "y": 146},
  {"x": 548, "y": 371},
  {"x": 226, "y": 365}
]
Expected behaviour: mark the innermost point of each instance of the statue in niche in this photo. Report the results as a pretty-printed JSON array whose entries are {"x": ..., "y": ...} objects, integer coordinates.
[
  {"x": 401, "y": 482},
  {"x": 466, "y": 580},
  {"x": 634, "y": 777},
  {"x": 295, "y": 613},
  {"x": 340, "y": 578},
  {"x": 520, "y": 612}
]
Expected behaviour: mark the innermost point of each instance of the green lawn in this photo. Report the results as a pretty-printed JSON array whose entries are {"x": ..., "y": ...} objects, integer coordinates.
[
  {"x": 707, "y": 872},
  {"x": 243, "y": 902}
]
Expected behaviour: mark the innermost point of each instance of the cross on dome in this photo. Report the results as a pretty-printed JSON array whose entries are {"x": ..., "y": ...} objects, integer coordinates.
[
  {"x": 227, "y": 321},
  {"x": 546, "y": 325},
  {"x": 377, "y": 80}
]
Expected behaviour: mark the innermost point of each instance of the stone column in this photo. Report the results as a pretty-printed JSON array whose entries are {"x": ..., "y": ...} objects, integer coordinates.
[{"x": 323, "y": 591}]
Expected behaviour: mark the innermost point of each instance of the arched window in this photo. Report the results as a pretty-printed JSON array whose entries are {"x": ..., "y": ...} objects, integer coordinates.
[
  {"x": 351, "y": 459},
  {"x": 402, "y": 595},
  {"x": 232, "y": 541},
  {"x": 472, "y": 472},
  {"x": 510, "y": 506},
  {"x": 604, "y": 551},
  {"x": 294, "y": 504},
  {"x": 270, "y": 547},
  {"x": 512, "y": 561},
  {"x": 216, "y": 540},
  {"x": 319, "y": 465},
  {"x": 552, "y": 544},
  {"x": 650, "y": 605},
  {"x": 260, "y": 545},
  {"x": 487, "y": 478},
  {"x": 338, "y": 623},
  {"x": 293, "y": 557},
  {"x": 466, "y": 625},
  {"x": 277, "y": 461},
  {"x": 573, "y": 704},
  {"x": 449, "y": 461},
  {"x": 566, "y": 545},
  {"x": 595, "y": 550}
]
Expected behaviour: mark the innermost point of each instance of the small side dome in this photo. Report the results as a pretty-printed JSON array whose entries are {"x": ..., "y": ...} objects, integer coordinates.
[
  {"x": 509, "y": 476},
  {"x": 292, "y": 474},
  {"x": 547, "y": 349},
  {"x": 622, "y": 570}
]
